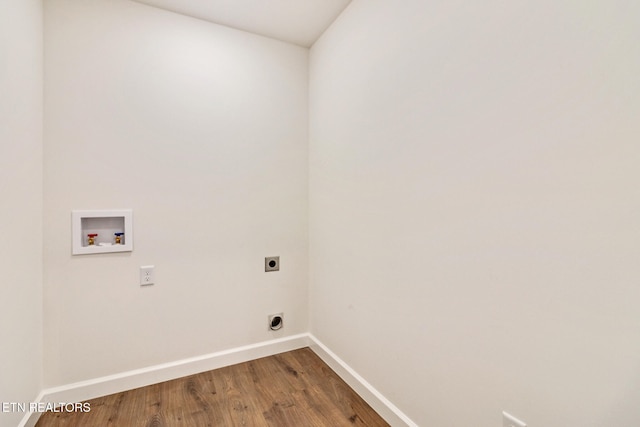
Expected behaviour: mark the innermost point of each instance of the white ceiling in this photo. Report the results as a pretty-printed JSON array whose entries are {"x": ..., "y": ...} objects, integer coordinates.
[{"x": 296, "y": 21}]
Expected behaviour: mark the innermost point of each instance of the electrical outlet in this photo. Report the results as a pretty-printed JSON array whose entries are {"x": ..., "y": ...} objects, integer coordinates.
[
  {"x": 147, "y": 275},
  {"x": 272, "y": 263},
  {"x": 509, "y": 420}
]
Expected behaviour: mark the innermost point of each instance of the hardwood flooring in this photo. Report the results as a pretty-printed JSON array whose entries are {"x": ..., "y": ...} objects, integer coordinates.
[{"x": 290, "y": 389}]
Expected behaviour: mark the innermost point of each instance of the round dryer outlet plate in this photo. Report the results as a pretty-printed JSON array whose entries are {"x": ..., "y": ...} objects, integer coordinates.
[
  {"x": 276, "y": 321},
  {"x": 272, "y": 263}
]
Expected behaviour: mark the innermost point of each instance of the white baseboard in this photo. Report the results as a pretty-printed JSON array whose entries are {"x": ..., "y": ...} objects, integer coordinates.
[
  {"x": 31, "y": 418},
  {"x": 90, "y": 389},
  {"x": 373, "y": 397},
  {"x": 85, "y": 390}
]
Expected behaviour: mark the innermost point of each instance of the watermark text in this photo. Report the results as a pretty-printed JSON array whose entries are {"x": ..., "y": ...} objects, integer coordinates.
[{"x": 45, "y": 407}]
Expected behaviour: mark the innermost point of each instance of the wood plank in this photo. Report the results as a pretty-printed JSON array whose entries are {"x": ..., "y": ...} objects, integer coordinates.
[{"x": 295, "y": 389}]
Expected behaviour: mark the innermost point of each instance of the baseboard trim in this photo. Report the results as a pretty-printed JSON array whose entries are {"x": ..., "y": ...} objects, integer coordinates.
[
  {"x": 31, "y": 418},
  {"x": 373, "y": 397},
  {"x": 90, "y": 389},
  {"x": 85, "y": 390}
]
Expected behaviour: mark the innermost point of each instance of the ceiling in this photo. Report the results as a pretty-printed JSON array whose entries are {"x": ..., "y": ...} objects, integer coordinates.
[{"x": 295, "y": 21}]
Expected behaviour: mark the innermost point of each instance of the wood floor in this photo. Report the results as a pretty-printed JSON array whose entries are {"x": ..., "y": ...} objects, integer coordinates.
[{"x": 290, "y": 389}]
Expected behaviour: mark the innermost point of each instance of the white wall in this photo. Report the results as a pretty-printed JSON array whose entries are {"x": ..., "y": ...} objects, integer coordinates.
[
  {"x": 202, "y": 131},
  {"x": 474, "y": 207},
  {"x": 21, "y": 201}
]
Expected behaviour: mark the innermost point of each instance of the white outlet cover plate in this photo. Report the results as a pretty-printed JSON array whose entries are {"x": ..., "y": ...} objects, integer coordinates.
[
  {"x": 509, "y": 420},
  {"x": 147, "y": 275}
]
